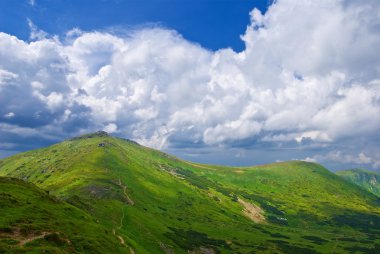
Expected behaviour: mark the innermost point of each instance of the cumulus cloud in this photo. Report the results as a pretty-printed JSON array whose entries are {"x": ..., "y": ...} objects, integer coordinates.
[
  {"x": 337, "y": 156},
  {"x": 110, "y": 128},
  {"x": 309, "y": 76},
  {"x": 9, "y": 115},
  {"x": 6, "y": 77},
  {"x": 35, "y": 32}
]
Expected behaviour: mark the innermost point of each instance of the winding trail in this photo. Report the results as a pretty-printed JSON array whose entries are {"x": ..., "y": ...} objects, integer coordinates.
[
  {"x": 32, "y": 238},
  {"x": 130, "y": 201},
  {"x": 42, "y": 235},
  {"x": 121, "y": 239}
]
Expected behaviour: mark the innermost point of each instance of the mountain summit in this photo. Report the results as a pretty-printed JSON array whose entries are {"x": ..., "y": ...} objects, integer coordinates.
[
  {"x": 145, "y": 201},
  {"x": 98, "y": 134}
]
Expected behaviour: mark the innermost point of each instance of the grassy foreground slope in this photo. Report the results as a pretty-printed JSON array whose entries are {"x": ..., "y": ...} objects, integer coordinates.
[
  {"x": 156, "y": 203},
  {"x": 33, "y": 221},
  {"x": 369, "y": 180}
]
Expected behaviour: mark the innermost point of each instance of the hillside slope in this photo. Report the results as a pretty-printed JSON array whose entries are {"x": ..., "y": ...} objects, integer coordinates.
[
  {"x": 156, "y": 203},
  {"x": 33, "y": 221},
  {"x": 368, "y": 180}
]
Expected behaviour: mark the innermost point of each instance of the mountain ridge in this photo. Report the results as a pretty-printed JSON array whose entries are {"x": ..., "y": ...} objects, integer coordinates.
[
  {"x": 366, "y": 179},
  {"x": 156, "y": 202}
]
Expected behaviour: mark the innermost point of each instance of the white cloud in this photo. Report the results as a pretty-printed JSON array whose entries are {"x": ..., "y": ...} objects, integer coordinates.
[
  {"x": 310, "y": 159},
  {"x": 338, "y": 156},
  {"x": 9, "y": 115},
  {"x": 110, "y": 128},
  {"x": 6, "y": 77},
  {"x": 35, "y": 32},
  {"x": 234, "y": 130},
  {"x": 53, "y": 100},
  {"x": 298, "y": 80},
  {"x": 32, "y": 2}
]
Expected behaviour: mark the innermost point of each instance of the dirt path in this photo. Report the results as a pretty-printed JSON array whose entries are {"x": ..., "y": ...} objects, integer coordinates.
[
  {"x": 122, "y": 219},
  {"x": 22, "y": 240},
  {"x": 130, "y": 201},
  {"x": 16, "y": 235},
  {"x": 252, "y": 211},
  {"x": 42, "y": 235},
  {"x": 32, "y": 238},
  {"x": 121, "y": 239}
]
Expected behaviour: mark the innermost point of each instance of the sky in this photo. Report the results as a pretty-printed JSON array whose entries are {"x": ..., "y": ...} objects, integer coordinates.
[{"x": 233, "y": 82}]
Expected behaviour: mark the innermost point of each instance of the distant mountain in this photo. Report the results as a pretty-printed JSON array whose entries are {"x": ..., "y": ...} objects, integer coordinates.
[
  {"x": 366, "y": 179},
  {"x": 140, "y": 200}
]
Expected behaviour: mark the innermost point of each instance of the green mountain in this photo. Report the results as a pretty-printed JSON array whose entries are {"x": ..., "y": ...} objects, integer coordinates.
[
  {"x": 368, "y": 180},
  {"x": 33, "y": 221},
  {"x": 144, "y": 201}
]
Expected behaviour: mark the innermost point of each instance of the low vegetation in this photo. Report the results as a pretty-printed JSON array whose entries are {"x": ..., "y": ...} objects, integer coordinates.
[
  {"x": 369, "y": 180},
  {"x": 157, "y": 203},
  {"x": 33, "y": 221}
]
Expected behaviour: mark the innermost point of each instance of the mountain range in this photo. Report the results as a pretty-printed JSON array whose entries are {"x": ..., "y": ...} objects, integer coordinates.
[{"x": 101, "y": 194}]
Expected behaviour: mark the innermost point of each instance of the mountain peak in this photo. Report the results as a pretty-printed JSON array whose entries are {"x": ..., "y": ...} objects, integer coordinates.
[
  {"x": 92, "y": 135},
  {"x": 129, "y": 192}
]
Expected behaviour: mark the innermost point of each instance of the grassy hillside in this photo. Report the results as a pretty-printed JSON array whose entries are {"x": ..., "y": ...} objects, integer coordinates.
[
  {"x": 32, "y": 221},
  {"x": 156, "y": 203},
  {"x": 368, "y": 180}
]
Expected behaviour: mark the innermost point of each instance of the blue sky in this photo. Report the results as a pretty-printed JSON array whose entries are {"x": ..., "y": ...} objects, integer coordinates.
[
  {"x": 214, "y": 24},
  {"x": 225, "y": 82}
]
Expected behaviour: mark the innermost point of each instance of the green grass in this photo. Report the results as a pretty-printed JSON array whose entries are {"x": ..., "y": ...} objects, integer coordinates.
[
  {"x": 368, "y": 180},
  {"x": 182, "y": 206},
  {"x": 27, "y": 212}
]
